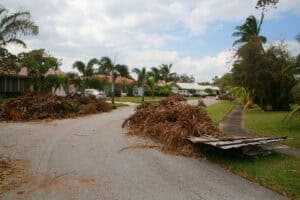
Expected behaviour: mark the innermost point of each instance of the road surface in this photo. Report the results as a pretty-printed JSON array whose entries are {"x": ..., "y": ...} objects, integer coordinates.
[{"x": 83, "y": 159}]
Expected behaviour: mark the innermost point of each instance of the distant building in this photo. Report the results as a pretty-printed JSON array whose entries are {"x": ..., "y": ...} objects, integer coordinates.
[
  {"x": 14, "y": 83},
  {"x": 184, "y": 88},
  {"x": 118, "y": 80}
]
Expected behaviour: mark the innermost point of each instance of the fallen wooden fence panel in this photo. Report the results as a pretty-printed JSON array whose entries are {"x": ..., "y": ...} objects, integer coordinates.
[{"x": 235, "y": 142}]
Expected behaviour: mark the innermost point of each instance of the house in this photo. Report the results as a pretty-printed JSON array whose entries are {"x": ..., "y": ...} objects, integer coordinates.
[
  {"x": 185, "y": 88},
  {"x": 123, "y": 85},
  {"x": 13, "y": 83},
  {"x": 118, "y": 79}
]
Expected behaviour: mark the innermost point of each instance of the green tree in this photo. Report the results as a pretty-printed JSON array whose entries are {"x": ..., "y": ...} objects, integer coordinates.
[
  {"x": 142, "y": 75},
  {"x": 13, "y": 25},
  {"x": 109, "y": 68},
  {"x": 248, "y": 71},
  {"x": 38, "y": 62},
  {"x": 186, "y": 79},
  {"x": 165, "y": 71},
  {"x": 123, "y": 70},
  {"x": 85, "y": 69},
  {"x": 151, "y": 85},
  {"x": 8, "y": 61},
  {"x": 155, "y": 73},
  {"x": 225, "y": 82},
  {"x": 251, "y": 28}
]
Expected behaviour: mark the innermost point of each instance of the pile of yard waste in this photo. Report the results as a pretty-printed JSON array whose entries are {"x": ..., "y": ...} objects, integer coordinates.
[
  {"x": 12, "y": 174},
  {"x": 170, "y": 122},
  {"x": 33, "y": 106}
]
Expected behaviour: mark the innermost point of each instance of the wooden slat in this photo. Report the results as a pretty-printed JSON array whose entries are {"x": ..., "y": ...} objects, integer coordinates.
[
  {"x": 237, "y": 141},
  {"x": 252, "y": 143},
  {"x": 228, "y": 143}
]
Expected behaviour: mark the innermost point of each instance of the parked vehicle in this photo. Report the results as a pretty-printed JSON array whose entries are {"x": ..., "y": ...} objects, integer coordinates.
[
  {"x": 184, "y": 93},
  {"x": 93, "y": 92},
  {"x": 201, "y": 94},
  {"x": 225, "y": 97}
]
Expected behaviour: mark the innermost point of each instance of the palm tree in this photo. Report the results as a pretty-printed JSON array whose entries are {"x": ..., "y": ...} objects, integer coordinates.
[
  {"x": 123, "y": 70},
  {"x": 15, "y": 24},
  {"x": 142, "y": 75},
  {"x": 108, "y": 67},
  {"x": 165, "y": 70},
  {"x": 251, "y": 28},
  {"x": 151, "y": 84},
  {"x": 85, "y": 69},
  {"x": 155, "y": 73}
]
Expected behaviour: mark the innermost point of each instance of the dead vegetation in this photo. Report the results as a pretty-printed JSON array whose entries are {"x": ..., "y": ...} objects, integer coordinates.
[
  {"x": 33, "y": 106},
  {"x": 12, "y": 174},
  {"x": 170, "y": 122}
]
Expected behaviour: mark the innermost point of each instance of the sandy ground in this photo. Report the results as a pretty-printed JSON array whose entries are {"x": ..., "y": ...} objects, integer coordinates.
[{"x": 82, "y": 159}]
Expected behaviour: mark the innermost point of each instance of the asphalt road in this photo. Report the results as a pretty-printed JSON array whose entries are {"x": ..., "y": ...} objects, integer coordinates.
[{"x": 83, "y": 159}]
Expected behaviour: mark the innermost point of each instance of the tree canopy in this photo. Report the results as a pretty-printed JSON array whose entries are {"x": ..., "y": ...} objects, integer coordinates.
[
  {"x": 38, "y": 62},
  {"x": 265, "y": 3},
  {"x": 251, "y": 28}
]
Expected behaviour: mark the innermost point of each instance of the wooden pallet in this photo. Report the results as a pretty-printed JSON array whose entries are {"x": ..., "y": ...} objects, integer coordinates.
[{"x": 234, "y": 142}]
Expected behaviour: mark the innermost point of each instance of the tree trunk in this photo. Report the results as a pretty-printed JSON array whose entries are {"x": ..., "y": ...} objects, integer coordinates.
[
  {"x": 143, "y": 93},
  {"x": 113, "y": 89},
  {"x": 249, "y": 103}
]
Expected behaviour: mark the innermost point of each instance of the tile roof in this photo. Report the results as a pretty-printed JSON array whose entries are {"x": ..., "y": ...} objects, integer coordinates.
[
  {"x": 7, "y": 71},
  {"x": 119, "y": 79}
]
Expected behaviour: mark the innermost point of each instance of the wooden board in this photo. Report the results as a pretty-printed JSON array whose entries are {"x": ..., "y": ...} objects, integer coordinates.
[{"x": 236, "y": 142}]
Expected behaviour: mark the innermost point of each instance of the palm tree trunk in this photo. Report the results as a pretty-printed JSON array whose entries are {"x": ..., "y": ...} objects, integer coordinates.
[
  {"x": 143, "y": 94},
  {"x": 249, "y": 103},
  {"x": 113, "y": 89}
]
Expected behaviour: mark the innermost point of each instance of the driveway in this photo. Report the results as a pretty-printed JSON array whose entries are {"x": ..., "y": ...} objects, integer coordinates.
[{"x": 82, "y": 159}]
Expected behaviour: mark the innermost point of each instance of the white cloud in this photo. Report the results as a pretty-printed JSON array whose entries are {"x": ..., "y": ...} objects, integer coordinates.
[
  {"x": 205, "y": 68},
  {"x": 137, "y": 32}
]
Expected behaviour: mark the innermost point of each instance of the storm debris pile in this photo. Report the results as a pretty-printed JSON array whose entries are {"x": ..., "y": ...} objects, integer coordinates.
[
  {"x": 12, "y": 174},
  {"x": 33, "y": 106},
  {"x": 170, "y": 122}
]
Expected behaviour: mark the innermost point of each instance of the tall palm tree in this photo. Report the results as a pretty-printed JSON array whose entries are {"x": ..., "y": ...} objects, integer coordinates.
[
  {"x": 165, "y": 70},
  {"x": 109, "y": 67},
  {"x": 123, "y": 70},
  {"x": 85, "y": 69},
  {"x": 15, "y": 24},
  {"x": 142, "y": 75},
  {"x": 251, "y": 28},
  {"x": 155, "y": 73}
]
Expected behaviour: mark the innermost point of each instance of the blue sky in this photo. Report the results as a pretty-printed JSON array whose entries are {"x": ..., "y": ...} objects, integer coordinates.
[{"x": 194, "y": 35}]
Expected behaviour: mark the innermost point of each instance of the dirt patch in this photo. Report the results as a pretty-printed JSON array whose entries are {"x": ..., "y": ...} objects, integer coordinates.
[
  {"x": 33, "y": 106},
  {"x": 170, "y": 122},
  {"x": 13, "y": 173},
  {"x": 87, "y": 180}
]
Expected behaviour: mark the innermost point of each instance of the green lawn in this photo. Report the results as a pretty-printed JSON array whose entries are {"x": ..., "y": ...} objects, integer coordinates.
[
  {"x": 278, "y": 172},
  {"x": 270, "y": 124},
  {"x": 218, "y": 111},
  {"x": 117, "y": 105}
]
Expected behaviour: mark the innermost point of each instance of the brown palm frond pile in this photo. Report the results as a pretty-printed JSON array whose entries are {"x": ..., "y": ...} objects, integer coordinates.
[
  {"x": 34, "y": 106},
  {"x": 170, "y": 122}
]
